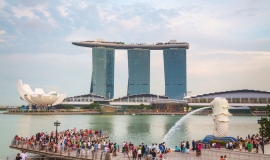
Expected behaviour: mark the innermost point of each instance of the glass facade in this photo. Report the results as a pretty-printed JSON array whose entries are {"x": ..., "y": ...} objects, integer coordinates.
[
  {"x": 175, "y": 72},
  {"x": 102, "y": 82},
  {"x": 138, "y": 71}
]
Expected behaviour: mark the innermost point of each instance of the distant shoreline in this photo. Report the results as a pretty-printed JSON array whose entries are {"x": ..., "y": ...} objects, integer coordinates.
[
  {"x": 52, "y": 113},
  {"x": 99, "y": 113}
]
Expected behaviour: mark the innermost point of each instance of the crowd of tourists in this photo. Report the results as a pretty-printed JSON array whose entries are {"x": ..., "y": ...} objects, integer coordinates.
[
  {"x": 156, "y": 151},
  {"x": 64, "y": 141},
  {"x": 253, "y": 143},
  {"x": 88, "y": 140}
]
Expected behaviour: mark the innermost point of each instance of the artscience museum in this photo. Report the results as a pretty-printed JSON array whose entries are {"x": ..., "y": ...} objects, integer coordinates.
[{"x": 38, "y": 97}]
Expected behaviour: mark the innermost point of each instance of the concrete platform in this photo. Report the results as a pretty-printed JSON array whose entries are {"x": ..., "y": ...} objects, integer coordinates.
[{"x": 207, "y": 154}]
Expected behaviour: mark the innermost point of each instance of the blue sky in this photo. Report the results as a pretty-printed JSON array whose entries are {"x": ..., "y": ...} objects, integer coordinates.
[{"x": 229, "y": 43}]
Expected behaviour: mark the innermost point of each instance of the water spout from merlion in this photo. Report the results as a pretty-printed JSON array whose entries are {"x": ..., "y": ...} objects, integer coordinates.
[{"x": 179, "y": 124}]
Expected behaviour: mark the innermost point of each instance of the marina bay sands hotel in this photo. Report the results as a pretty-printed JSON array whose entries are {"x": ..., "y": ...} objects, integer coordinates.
[{"x": 103, "y": 59}]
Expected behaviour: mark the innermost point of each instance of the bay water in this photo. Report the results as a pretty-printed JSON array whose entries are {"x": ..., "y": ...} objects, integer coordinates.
[{"x": 136, "y": 129}]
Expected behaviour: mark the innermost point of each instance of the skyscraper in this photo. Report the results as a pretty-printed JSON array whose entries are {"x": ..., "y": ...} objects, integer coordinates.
[
  {"x": 175, "y": 72},
  {"x": 138, "y": 71},
  {"x": 102, "y": 82}
]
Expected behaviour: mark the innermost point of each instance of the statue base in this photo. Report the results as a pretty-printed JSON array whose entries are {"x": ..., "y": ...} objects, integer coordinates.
[{"x": 208, "y": 138}]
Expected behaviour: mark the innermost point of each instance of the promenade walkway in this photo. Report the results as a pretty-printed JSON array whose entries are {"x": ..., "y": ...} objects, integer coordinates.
[{"x": 206, "y": 154}]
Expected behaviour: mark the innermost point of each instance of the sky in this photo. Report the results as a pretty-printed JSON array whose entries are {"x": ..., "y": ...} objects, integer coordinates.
[{"x": 229, "y": 43}]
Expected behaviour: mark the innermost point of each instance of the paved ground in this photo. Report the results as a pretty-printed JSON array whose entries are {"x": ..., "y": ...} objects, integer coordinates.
[
  {"x": 177, "y": 155},
  {"x": 169, "y": 156}
]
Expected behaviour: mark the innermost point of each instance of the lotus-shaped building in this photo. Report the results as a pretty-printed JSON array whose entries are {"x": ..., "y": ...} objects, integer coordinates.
[{"x": 38, "y": 97}]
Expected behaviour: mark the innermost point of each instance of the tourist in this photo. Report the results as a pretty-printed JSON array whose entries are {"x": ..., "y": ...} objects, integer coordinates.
[
  {"x": 225, "y": 157},
  {"x": 218, "y": 145},
  {"x": 16, "y": 138},
  {"x": 254, "y": 145},
  {"x": 257, "y": 146},
  {"x": 18, "y": 157},
  {"x": 23, "y": 155},
  {"x": 130, "y": 149},
  {"x": 61, "y": 148},
  {"x": 181, "y": 147},
  {"x": 184, "y": 147},
  {"x": 115, "y": 148},
  {"x": 146, "y": 151},
  {"x": 246, "y": 145},
  {"x": 187, "y": 147},
  {"x": 157, "y": 148},
  {"x": 106, "y": 150},
  {"x": 193, "y": 145},
  {"x": 89, "y": 145},
  {"x": 161, "y": 147},
  {"x": 161, "y": 156},
  {"x": 249, "y": 147},
  {"x": 227, "y": 145},
  {"x": 154, "y": 154},
  {"x": 122, "y": 146},
  {"x": 126, "y": 150},
  {"x": 134, "y": 154},
  {"x": 214, "y": 145},
  {"x": 240, "y": 146},
  {"x": 143, "y": 149},
  {"x": 230, "y": 145},
  {"x": 177, "y": 149},
  {"x": 221, "y": 158},
  {"x": 111, "y": 150},
  {"x": 139, "y": 154}
]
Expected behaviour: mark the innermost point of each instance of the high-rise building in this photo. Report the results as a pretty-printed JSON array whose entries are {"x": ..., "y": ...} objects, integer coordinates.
[
  {"x": 138, "y": 71},
  {"x": 102, "y": 82},
  {"x": 175, "y": 72}
]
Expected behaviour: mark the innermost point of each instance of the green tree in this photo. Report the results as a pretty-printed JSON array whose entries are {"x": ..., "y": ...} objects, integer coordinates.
[
  {"x": 92, "y": 106},
  {"x": 62, "y": 106},
  {"x": 265, "y": 124},
  {"x": 141, "y": 106}
]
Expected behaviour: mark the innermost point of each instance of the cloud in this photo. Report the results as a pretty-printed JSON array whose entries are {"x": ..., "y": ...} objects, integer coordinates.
[
  {"x": 63, "y": 11},
  {"x": 21, "y": 12},
  {"x": 229, "y": 41}
]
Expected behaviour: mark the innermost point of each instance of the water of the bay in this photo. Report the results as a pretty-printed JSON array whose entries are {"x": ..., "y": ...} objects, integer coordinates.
[{"x": 137, "y": 129}]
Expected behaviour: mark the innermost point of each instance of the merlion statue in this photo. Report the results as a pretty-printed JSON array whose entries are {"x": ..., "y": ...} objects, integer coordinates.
[{"x": 220, "y": 116}]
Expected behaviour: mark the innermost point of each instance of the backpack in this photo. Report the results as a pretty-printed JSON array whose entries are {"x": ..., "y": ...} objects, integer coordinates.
[{"x": 125, "y": 148}]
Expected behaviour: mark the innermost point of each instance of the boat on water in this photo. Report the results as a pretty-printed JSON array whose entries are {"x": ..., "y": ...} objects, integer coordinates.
[
  {"x": 133, "y": 114},
  {"x": 173, "y": 114}
]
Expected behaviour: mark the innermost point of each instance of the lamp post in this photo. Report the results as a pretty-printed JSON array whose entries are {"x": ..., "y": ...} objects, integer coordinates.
[
  {"x": 261, "y": 131},
  {"x": 56, "y": 124}
]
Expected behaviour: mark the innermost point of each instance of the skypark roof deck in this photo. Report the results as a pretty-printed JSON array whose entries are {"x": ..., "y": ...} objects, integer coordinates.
[{"x": 122, "y": 45}]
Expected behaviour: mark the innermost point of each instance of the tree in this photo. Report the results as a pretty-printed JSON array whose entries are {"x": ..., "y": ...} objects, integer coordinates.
[
  {"x": 188, "y": 107},
  {"x": 265, "y": 124},
  {"x": 141, "y": 106},
  {"x": 62, "y": 106},
  {"x": 92, "y": 106}
]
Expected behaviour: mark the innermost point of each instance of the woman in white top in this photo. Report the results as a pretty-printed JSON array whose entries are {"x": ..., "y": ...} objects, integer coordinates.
[
  {"x": 139, "y": 154},
  {"x": 99, "y": 146},
  {"x": 240, "y": 146}
]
